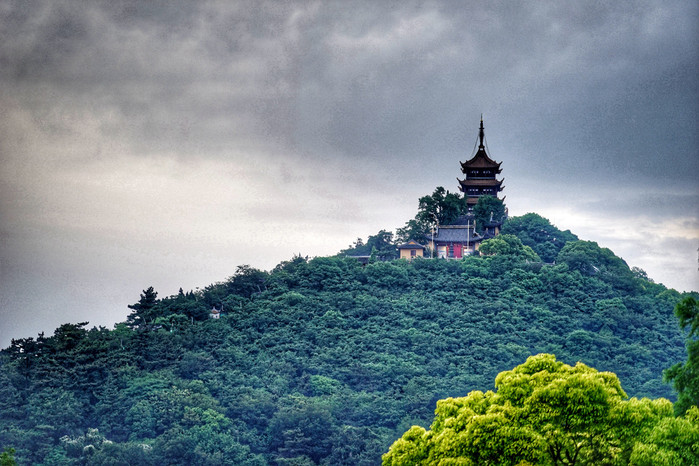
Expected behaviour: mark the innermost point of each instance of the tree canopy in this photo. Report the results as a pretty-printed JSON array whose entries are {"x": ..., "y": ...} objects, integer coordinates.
[
  {"x": 440, "y": 208},
  {"x": 488, "y": 209},
  {"x": 685, "y": 377},
  {"x": 545, "y": 412},
  {"x": 539, "y": 234}
]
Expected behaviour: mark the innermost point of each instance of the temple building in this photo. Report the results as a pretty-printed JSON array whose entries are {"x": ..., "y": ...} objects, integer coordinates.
[
  {"x": 480, "y": 174},
  {"x": 456, "y": 240}
]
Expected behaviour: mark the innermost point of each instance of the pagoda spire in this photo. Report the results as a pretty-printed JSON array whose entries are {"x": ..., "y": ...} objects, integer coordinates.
[{"x": 481, "y": 134}]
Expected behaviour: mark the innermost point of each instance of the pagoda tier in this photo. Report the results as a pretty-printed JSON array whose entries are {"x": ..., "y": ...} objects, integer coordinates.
[{"x": 480, "y": 174}]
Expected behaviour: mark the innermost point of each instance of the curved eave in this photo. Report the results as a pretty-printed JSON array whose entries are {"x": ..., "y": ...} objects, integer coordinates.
[
  {"x": 481, "y": 160},
  {"x": 480, "y": 182}
]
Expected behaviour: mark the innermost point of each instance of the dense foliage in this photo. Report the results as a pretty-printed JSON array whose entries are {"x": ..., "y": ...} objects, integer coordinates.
[
  {"x": 685, "y": 377},
  {"x": 549, "y": 413},
  {"x": 378, "y": 247},
  {"x": 537, "y": 232},
  {"x": 324, "y": 361}
]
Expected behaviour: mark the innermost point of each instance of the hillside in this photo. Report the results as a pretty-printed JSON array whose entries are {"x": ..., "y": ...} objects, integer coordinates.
[{"x": 324, "y": 361}]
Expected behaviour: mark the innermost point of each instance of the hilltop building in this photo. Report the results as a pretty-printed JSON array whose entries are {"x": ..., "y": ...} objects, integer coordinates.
[{"x": 480, "y": 174}]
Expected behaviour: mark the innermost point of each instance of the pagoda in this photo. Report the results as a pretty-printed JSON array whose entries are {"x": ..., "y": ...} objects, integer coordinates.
[{"x": 480, "y": 174}]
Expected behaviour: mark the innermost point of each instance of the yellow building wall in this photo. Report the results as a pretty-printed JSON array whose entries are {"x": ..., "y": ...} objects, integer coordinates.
[{"x": 405, "y": 253}]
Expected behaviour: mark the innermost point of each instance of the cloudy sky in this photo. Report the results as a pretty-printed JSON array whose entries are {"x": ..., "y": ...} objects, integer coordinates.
[{"x": 164, "y": 143}]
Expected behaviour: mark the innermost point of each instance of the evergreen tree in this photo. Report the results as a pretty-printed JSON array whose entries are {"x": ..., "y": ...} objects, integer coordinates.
[{"x": 144, "y": 310}]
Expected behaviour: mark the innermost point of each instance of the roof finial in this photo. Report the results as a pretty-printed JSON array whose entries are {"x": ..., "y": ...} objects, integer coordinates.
[{"x": 481, "y": 134}]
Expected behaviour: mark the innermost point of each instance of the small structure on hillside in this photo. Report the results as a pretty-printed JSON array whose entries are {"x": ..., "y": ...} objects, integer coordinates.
[
  {"x": 480, "y": 174},
  {"x": 215, "y": 313},
  {"x": 492, "y": 228},
  {"x": 411, "y": 250}
]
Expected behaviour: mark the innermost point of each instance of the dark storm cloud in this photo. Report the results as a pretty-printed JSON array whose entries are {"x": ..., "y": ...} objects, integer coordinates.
[
  {"x": 598, "y": 82},
  {"x": 164, "y": 142}
]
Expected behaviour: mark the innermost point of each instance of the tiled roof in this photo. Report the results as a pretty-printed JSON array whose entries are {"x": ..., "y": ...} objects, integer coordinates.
[
  {"x": 456, "y": 235},
  {"x": 464, "y": 220},
  {"x": 481, "y": 182},
  {"x": 411, "y": 245},
  {"x": 480, "y": 160}
]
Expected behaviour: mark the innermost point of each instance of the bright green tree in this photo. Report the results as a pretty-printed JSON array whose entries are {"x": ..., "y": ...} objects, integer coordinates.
[
  {"x": 544, "y": 412},
  {"x": 674, "y": 441}
]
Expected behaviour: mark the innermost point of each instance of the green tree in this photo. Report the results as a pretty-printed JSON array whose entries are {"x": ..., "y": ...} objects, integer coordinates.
[
  {"x": 379, "y": 246},
  {"x": 544, "y": 412},
  {"x": 538, "y": 233},
  {"x": 590, "y": 259},
  {"x": 247, "y": 281},
  {"x": 674, "y": 441},
  {"x": 486, "y": 208},
  {"x": 685, "y": 377},
  {"x": 144, "y": 310},
  {"x": 507, "y": 245},
  {"x": 441, "y": 207},
  {"x": 7, "y": 457}
]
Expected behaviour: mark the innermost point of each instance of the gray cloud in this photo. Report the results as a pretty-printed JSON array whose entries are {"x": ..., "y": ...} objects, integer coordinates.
[{"x": 167, "y": 142}]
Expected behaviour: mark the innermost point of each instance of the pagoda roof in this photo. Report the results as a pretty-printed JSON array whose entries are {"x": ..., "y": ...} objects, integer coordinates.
[
  {"x": 480, "y": 182},
  {"x": 481, "y": 160}
]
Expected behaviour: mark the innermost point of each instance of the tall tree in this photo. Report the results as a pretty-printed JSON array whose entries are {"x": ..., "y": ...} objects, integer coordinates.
[
  {"x": 440, "y": 208},
  {"x": 685, "y": 377},
  {"x": 143, "y": 311},
  {"x": 487, "y": 208}
]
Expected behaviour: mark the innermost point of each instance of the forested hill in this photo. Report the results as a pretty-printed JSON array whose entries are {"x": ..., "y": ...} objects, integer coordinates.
[{"x": 324, "y": 361}]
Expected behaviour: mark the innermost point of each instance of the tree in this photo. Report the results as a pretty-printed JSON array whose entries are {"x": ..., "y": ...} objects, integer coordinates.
[
  {"x": 143, "y": 311},
  {"x": 7, "y": 457},
  {"x": 685, "y": 377},
  {"x": 247, "y": 281},
  {"x": 590, "y": 259},
  {"x": 507, "y": 245},
  {"x": 538, "y": 233},
  {"x": 544, "y": 412},
  {"x": 486, "y": 208},
  {"x": 673, "y": 441},
  {"x": 380, "y": 245},
  {"x": 441, "y": 207}
]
